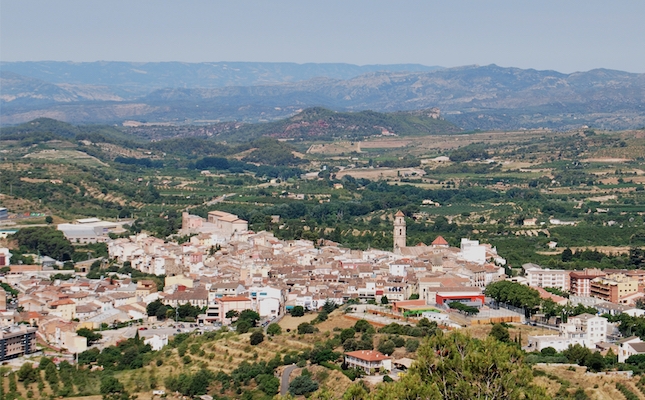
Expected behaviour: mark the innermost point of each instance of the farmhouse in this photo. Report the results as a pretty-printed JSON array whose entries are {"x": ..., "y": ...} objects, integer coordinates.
[{"x": 371, "y": 361}]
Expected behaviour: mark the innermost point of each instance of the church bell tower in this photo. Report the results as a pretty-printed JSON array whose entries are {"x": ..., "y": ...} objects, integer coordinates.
[{"x": 399, "y": 231}]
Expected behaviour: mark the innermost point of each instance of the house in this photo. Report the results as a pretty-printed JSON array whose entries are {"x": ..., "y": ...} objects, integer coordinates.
[
  {"x": 529, "y": 222},
  {"x": 267, "y": 301},
  {"x": 223, "y": 289},
  {"x": 64, "y": 308},
  {"x": 630, "y": 346},
  {"x": 5, "y": 257},
  {"x": 156, "y": 342},
  {"x": 145, "y": 287},
  {"x": 472, "y": 251},
  {"x": 371, "y": 361},
  {"x": 231, "y": 303},
  {"x": 197, "y": 297},
  {"x": 585, "y": 329}
]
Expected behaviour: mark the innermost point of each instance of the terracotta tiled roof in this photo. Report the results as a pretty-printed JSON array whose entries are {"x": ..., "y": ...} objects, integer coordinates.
[
  {"x": 234, "y": 298},
  {"x": 61, "y": 302},
  {"x": 368, "y": 355},
  {"x": 440, "y": 241}
]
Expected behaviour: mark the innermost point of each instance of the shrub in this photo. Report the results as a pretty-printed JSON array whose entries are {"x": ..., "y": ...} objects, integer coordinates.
[
  {"x": 302, "y": 385},
  {"x": 629, "y": 395},
  {"x": 274, "y": 329},
  {"x": 411, "y": 345},
  {"x": 298, "y": 311},
  {"x": 243, "y": 326},
  {"x": 305, "y": 328},
  {"x": 257, "y": 337},
  {"x": 387, "y": 347}
]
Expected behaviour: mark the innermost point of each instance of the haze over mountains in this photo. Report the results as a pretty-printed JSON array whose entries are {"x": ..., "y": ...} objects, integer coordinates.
[{"x": 472, "y": 97}]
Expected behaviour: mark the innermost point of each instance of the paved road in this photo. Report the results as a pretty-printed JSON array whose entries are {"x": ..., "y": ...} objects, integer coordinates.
[{"x": 284, "y": 382}]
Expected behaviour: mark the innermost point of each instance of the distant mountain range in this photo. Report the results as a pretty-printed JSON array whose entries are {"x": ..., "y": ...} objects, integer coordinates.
[{"x": 473, "y": 97}]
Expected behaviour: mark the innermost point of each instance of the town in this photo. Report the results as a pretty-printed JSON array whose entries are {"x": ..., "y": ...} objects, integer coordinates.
[{"x": 225, "y": 269}]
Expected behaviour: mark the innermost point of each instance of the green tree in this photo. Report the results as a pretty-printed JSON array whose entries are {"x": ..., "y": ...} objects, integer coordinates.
[
  {"x": 230, "y": 314},
  {"x": 577, "y": 354},
  {"x": 92, "y": 337},
  {"x": 362, "y": 326},
  {"x": 298, "y": 311},
  {"x": 110, "y": 384},
  {"x": 152, "y": 308},
  {"x": 45, "y": 240},
  {"x": 274, "y": 329},
  {"x": 515, "y": 294},
  {"x": 567, "y": 255},
  {"x": 387, "y": 347},
  {"x": 51, "y": 374},
  {"x": 302, "y": 385},
  {"x": 268, "y": 383},
  {"x": 250, "y": 316},
  {"x": 549, "y": 351},
  {"x": 28, "y": 374},
  {"x": 162, "y": 312},
  {"x": 356, "y": 392},
  {"x": 348, "y": 333},
  {"x": 385, "y": 300},
  {"x": 329, "y": 306},
  {"x": 243, "y": 326},
  {"x": 455, "y": 366},
  {"x": 500, "y": 332},
  {"x": 305, "y": 328},
  {"x": 411, "y": 345},
  {"x": 257, "y": 337},
  {"x": 595, "y": 362}
]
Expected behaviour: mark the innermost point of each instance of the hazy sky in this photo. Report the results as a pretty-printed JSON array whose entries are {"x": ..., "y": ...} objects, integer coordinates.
[{"x": 563, "y": 35}]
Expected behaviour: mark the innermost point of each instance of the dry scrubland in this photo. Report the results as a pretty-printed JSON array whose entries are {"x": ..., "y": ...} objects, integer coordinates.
[{"x": 227, "y": 352}]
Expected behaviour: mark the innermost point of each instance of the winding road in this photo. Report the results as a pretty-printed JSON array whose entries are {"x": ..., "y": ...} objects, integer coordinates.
[{"x": 284, "y": 382}]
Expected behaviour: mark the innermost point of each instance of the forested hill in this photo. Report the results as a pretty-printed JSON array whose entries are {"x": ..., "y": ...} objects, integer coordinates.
[
  {"x": 314, "y": 123},
  {"x": 44, "y": 129},
  {"x": 320, "y": 123}
]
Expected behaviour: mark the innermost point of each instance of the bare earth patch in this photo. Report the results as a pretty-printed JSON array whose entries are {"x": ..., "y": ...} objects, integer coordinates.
[{"x": 289, "y": 322}]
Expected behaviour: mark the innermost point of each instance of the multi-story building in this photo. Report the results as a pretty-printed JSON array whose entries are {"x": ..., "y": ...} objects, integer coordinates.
[
  {"x": 584, "y": 329},
  {"x": 17, "y": 343},
  {"x": 542, "y": 277},
  {"x": 230, "y": 303},
  {"x": 227, "y": 223},
  {"x": 590, "y": 327},
  {"x": 613, "y": 287},
  {"x": 267, "y": 301},
  {"x": 580, "y": 281}
]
